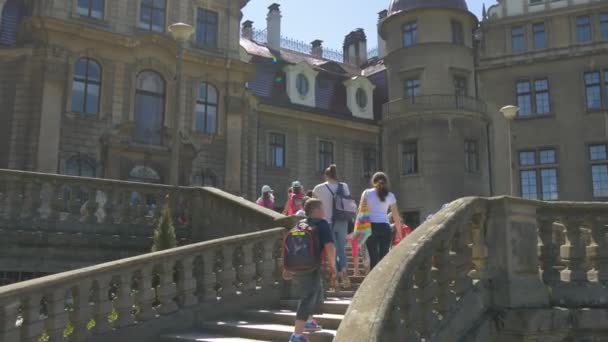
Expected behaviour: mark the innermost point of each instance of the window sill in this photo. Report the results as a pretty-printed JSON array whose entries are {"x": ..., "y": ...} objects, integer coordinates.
[
  {"x": 473, "y": 173},
  {"x": 596, "y": 110},
  {"x": 91, "y": 21},
  {"x": 83, "y": 116},
  {"x": 205, "y": 137},
  {"x": 535, "y": 117},
  {"x": 410, "y": 175}
]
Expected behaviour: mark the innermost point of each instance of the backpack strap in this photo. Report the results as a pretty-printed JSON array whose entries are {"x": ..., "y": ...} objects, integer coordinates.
[{"x": 329, "y": 189}]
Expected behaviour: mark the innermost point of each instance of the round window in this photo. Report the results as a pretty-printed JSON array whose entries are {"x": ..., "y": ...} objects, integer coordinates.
[
  {"x": 361, "y": 98},
  {"x": 302, "y": 84}
]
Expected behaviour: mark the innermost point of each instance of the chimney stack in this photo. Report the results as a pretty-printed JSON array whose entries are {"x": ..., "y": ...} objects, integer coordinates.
[
  {"x": 248, "y": 29},
  {"x": 273, "y": 26},
  {"x": 381, "y": 43},
  {"x": 355, "y": 47},
  {"x": 317, "y": 48}
]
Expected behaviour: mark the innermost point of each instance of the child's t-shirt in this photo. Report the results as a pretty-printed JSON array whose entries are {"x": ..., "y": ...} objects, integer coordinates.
[{"x": 323, "y": 232}]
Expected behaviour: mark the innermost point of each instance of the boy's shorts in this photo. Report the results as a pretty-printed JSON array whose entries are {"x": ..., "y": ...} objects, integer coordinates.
[{"x": 310, "y": 292}]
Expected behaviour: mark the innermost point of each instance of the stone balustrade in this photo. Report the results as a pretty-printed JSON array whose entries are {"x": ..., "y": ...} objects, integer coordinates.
[
  {"x": 84, "y": 221},
  {"x": 468, "y": 269},
  {"x": 203, "y": 279}
]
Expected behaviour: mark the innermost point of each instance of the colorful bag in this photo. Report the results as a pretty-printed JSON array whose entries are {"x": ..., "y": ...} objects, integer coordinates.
[
  {"x": 301, "y": 249},
  {"x": 363, "y": 223}
]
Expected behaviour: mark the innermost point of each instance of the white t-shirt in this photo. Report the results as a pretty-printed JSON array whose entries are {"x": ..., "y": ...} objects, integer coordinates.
[
  {"x": 378, "y": 210},
  {"x": 322, "y": 193}
]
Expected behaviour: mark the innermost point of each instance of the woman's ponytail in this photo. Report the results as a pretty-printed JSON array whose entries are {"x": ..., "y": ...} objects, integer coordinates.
[{"x": 380, "y": 183}]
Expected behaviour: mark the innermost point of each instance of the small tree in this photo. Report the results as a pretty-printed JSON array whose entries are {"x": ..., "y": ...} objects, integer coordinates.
[{"x": 164, "y": 234}]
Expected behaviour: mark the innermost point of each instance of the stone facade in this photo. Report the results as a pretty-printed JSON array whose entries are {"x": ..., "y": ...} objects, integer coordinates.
[{"x": 450, "y": 117}]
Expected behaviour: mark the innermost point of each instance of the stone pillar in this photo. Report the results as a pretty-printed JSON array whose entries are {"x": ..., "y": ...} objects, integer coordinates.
[
  {"x": 50, "y": 121},
  {"x": 234, "y": 134},
  {"x": 513, "y": 255}
]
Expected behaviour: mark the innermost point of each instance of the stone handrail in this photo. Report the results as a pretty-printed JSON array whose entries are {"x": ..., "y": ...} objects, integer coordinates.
[
  {"x": 49, "y": 202},
  {"x": 478, "y": 257},
  {"x": 83, "y": 304},
  {"x": 434, "y": 103}
]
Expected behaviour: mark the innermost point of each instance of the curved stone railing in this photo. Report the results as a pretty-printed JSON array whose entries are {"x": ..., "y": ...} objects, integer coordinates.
[
  {"x": 203, "y": 279},
  {"x": 477, "y": 259},
  {"x": 423, "y": 103}
]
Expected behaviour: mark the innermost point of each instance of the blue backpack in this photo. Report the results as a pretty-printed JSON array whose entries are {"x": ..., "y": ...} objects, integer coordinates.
[{"x": 302, "y": 249}]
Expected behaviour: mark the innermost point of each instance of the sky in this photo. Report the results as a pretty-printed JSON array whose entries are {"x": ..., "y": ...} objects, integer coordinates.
[{"x": 329, "y": 20}]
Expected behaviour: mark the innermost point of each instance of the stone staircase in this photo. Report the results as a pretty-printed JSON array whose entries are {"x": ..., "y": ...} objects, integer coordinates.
[{"x": 276, "y": 324}]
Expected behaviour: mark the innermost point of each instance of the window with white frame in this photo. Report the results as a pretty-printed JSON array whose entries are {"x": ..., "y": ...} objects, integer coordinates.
[{"x": 538, "y": 174}]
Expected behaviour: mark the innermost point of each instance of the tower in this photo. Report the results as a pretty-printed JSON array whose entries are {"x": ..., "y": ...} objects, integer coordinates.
[{"x": 435, "y": 130}]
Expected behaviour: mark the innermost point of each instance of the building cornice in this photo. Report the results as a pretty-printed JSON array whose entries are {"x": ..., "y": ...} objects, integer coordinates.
[{"x": 371, "y": 127}]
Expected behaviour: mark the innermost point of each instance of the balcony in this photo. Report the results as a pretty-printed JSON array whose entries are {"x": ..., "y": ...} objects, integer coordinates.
[{"x": 434, "y": 103}]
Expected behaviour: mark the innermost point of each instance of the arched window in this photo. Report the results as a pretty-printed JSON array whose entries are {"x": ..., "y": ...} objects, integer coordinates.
[
  {"x": 80, "y": 166},
  {"x": 206, "y": 109},
  {"x": 206, "y": 178},
  {"x": 149, "y": 108},
  {"x": 10, "y": 19},
  {"x": 144, "y": 174},
  {"x": 86, "y": 87}
]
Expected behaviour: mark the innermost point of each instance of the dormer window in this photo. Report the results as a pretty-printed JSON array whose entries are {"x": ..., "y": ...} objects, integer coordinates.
[
  {"x": 302, "y": 85},
  {"x": 361, "y": 98},
  {"x": 359, "y": 91}
]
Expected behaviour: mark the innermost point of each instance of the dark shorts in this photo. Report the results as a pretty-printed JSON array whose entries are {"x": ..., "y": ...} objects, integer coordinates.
[{"x": 309, "y": 290}]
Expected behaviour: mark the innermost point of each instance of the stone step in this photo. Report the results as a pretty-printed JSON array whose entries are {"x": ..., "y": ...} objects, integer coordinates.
[
  {"x": 200, "y": 337},
  {"x": 332, "y": 305},
  {"x": 287, "y": 317},
  {"x": 340, "y": 294},
  {"x": 262, "y": 331}
]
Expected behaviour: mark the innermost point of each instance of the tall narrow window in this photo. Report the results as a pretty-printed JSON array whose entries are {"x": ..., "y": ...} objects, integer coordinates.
[
  {"x": 604, "y": 25},
  {"x": 91, "y": 8},
  {"x": 410, "y": 158},
  {"x": 598, "y": 155},
  {"x": 518, "y": 42},
  {"x": 152, "y": 15},
  {"x": 410, "y": 33},
  {"x": 206, "y": 109},
  {"x": 11, "y": 15},
  {"x": 583, "y": 29},
  {"x": 326, "y": 154},
  {"x": 86, "y": 87},
  {"x": 538, "y": 174},
  {"x": 276, "y": 149},
  {"x": 149, "y": 108},
  {"x": 541, "y": 94},
  {"x": 524, "y": 98},
  {"x": 593, "y": 92},
  {"x": 369, "y": 162},
  {"x": 471, "y": 152},
  {"x": 540, "y": 37},
  {"x": 457, "y": 33},
  {"x": 207, "y": 28},
  {"x": 412, "y": 88}
]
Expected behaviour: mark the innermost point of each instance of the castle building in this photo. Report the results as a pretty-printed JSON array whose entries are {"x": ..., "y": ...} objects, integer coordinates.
[{"x": 91, "y": 88}]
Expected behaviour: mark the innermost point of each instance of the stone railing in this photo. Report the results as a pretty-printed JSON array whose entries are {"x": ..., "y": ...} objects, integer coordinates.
[
  {"x": 79, "y": 222},
  {"x": 477, "y": 259},
  {"x": 145, "y": 295},
  {"x": 423, "y": 103}
]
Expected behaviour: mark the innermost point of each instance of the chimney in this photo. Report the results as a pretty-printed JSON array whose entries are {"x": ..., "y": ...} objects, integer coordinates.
[
  {"x": 248, "y": 29},
  {"x": 273, "y": 26},
  {"x": 381, "y": 43},
  {"x": 355, "y": 47},
  {"x": 317, "y": 48}
]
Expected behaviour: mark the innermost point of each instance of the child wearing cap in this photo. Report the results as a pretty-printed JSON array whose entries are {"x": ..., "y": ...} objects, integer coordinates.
[{"x": 295, "y": 200}]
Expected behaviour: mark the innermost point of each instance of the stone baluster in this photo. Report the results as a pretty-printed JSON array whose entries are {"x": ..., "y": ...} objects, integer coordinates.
[
  {"x": 248, "y": 272},
  {"x": 146, "y": 294},
  {"x": 444, "y": 279},
  {"x": 28, "y": 207},
  {"x": 238, "y": 264},
  {"x": 103, "y": 304},
  {"x": 83, "y": 310},
  {"x": 14, "y": 200},
  {"x": 549, "y": 249},
  {"x": 88, "y": 208},
  {"x": 9, "y": 330},
  {"x": 480, "y": 248},
  {"x": 597, "y": 252},
  {"x": 58, "y": 317},
  {"x": 229, "y": 274},
  {"x": 186, "y": 286},
  {"x": 123, "y": 304},
  {"x": 278, "y": 261},
  {"x": 462, "y": 261},
  {"x": 167, "y": 289},
  {"x": 266, "y": 268},
  {"x": 573, "y": 252},
  {"x": 426, "y": 294},
  {"x": 34, "y": 317},
  {"x": 405, "y": 317},
  {"x": 210, "y": 276},
  {"x": 102, "y": 200},
  {"x": 47, "y": 199}
]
